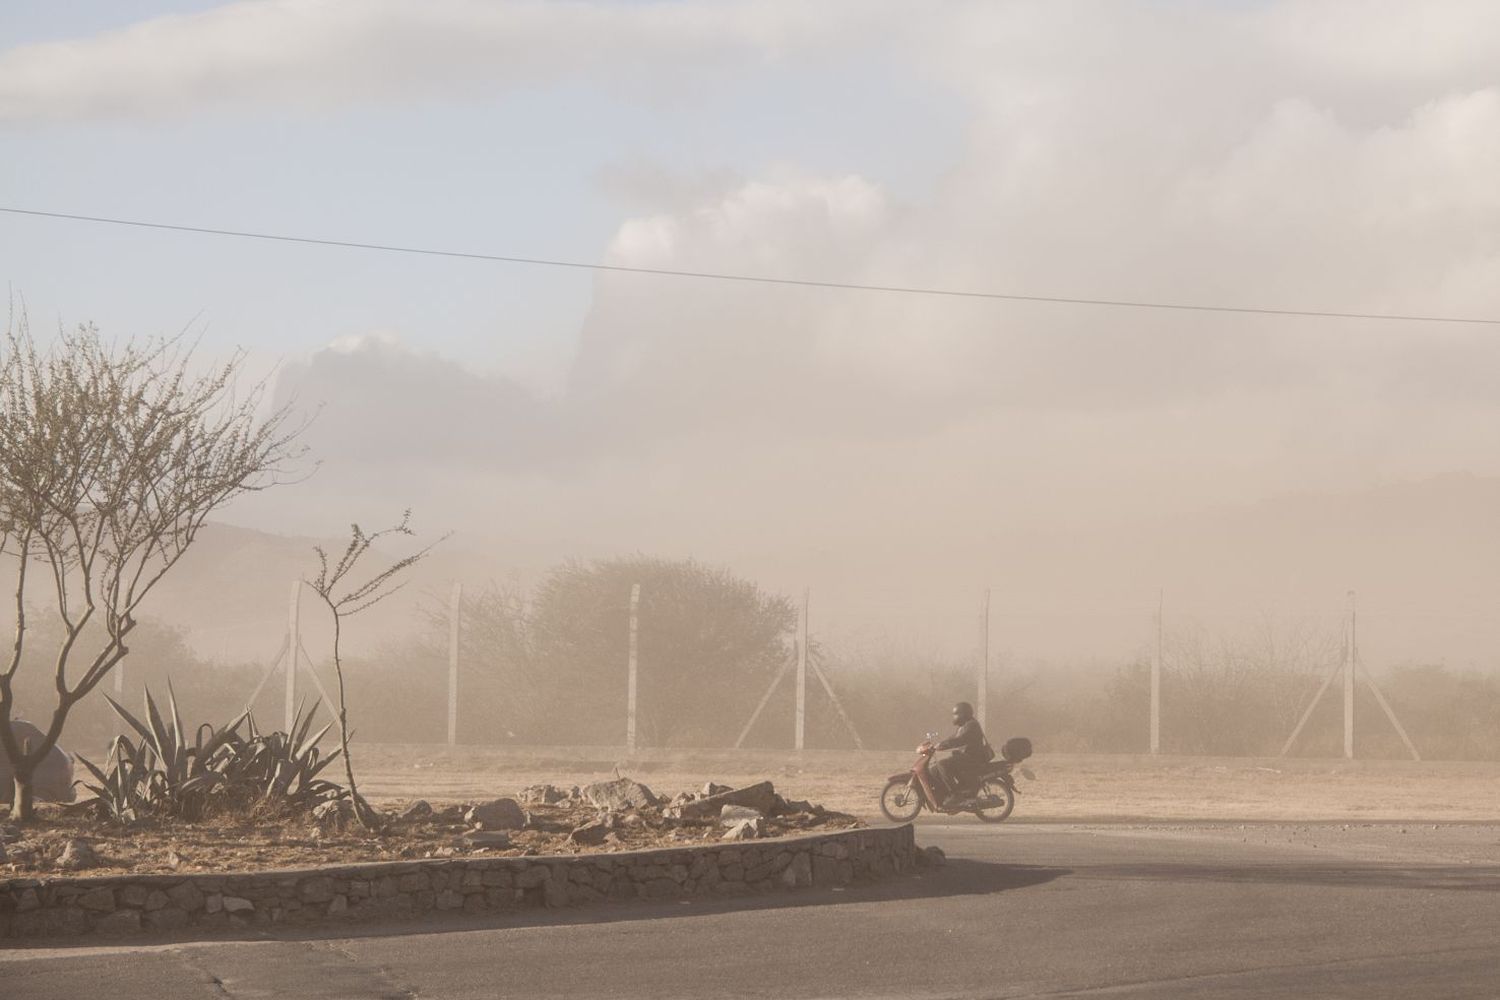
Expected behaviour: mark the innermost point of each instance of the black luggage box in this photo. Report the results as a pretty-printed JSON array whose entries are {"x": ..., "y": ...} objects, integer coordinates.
[{"x": 1016, "y": 749}]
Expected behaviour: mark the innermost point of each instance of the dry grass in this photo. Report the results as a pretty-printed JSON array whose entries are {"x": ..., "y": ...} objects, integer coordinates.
[{"x": 1070, "y": 787}]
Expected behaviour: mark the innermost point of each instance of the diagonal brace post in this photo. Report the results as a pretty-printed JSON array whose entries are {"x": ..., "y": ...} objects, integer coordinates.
[{"x": 763, "y": 700}]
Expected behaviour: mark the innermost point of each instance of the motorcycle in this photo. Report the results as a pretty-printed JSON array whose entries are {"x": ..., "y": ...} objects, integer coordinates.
[{"x": 989, "y": 793}]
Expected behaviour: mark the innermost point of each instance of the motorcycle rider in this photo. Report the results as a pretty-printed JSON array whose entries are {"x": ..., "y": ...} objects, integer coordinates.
[{"x": 970, "y": 752}]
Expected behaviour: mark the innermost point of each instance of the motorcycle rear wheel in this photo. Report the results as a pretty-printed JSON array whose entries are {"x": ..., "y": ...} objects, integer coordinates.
[
  {"x": 993, "y": 788},
  {"x": 900, "y": 801}
]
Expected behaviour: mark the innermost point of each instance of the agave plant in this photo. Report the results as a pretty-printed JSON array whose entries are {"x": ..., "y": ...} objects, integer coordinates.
[
  {"x": 165, "y": 775},
  {"x": 280, "y": 767},
  {"x": 128, "y": 787},
  {"x": 187, "y": 772}
]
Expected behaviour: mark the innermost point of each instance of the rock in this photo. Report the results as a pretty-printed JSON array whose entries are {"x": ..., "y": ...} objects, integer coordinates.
[
  {"x": 234, "y": 904},
  {"x": 799, "y": 872},
  {"x": 51, "y": 781},
  {"x": 450, "y": 814},
  {"x": 620, "y": 794},
  {"x": 746, "y": 829},
  {"x": 213, "y": 903},
  {"x": 318, "y": 889},
  {"x": 169, "y": 919},
  {"x": 101, "y": 900},
  {"x": 709, "y": 788},
  {"x": 119, "y": 922},
  {"x": 495, "y": 839},
  {"x": 155, "y": 899},
  {"x": 761, "y": 797},
  {"x": 419, "y": 809},
  {"x": 334, "y": 814},
  {"x": 498, "y": 814},
  {"x": 632, "y": 820},
  {"x": 533, "y": 877},
  {"x": 175, "y": 860},
  {"x": 543, "y": 795},
  {"x": 590, "y": 834},
  {"x": 931, "y": 857},
  {"x": 829, "y": 871},
  {"x": 77, "y": 854},
  {"x": 730, "y": 815},
  {"x": 800, "y": 806},
  {"x": 186, "y": 897},
  {"x": 133, "y": 895},
  {"x": 659, "y": 888}
]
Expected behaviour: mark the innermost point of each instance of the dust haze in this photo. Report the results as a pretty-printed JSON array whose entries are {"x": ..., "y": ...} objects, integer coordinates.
[
  {"x": 897, "y": 453},
  {"x": 894, "y": 454}
]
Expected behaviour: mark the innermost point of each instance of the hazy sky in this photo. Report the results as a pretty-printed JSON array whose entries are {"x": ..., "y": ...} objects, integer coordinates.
[{"x": 1316, "y": 154}]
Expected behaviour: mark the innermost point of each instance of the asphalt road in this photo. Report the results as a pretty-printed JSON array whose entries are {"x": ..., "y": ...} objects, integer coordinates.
[{"x": 1019, "y": 911}]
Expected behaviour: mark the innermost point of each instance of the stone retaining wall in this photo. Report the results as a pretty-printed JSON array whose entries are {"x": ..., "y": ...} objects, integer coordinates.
[{"x": 209, "y": 904}]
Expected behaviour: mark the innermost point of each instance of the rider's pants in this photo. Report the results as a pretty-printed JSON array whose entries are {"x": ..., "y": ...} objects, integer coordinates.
[{"x": 951, "y": 772}]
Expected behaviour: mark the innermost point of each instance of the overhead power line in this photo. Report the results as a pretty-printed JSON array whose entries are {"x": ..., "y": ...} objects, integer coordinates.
[{"x": 954, "y": 293}]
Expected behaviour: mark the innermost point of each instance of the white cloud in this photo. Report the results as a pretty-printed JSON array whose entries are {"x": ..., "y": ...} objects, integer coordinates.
[
  {"x": 1159, "y": 152},
  {"x": 315, "y": 53},
  {"x": 1386, "y": 45}
]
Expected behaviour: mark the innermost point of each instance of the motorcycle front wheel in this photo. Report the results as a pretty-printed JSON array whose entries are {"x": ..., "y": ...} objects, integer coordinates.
[
  {"x": 900, "y": 800},
  {"x": 998, "y": 790}
]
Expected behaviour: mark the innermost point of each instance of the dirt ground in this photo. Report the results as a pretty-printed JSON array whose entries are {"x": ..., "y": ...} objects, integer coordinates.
[
  {"x": 227, "y": 844},
  {"x": 1206, "y": 794},
  {"x": 1069, "y": 787}
]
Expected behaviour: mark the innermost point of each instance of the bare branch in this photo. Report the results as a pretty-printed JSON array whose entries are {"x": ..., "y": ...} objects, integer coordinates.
[
  {"x": 355, "y": 599},
  {"x": 112, "y": 457}
]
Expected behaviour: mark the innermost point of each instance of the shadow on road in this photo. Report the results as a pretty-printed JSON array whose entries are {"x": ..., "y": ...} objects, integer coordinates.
[
  {"x": 1459, "y": 878},
  {"x": 957, "y": 878}
]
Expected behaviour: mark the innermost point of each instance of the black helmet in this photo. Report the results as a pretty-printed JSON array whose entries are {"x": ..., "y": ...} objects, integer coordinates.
[{"x": 963, "y": 712}]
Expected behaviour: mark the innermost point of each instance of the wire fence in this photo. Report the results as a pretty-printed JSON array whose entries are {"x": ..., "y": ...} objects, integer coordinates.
[{"x": 1336, "y": 680}]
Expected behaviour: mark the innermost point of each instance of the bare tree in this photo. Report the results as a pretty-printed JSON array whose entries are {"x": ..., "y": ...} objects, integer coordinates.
[
  {"x": 343, "y": 600},
  {"x": 1237, "y": 691},
  {"x": 112, "y": 457}
]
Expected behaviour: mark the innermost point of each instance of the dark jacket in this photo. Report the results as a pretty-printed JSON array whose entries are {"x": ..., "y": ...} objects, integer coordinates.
[{"x": 967, "y": 742}]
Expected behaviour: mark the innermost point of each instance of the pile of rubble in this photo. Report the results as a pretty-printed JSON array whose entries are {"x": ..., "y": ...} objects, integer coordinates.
[
  {"x": 606, "y": 816},
  {"x": 620, "y": 814}
]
